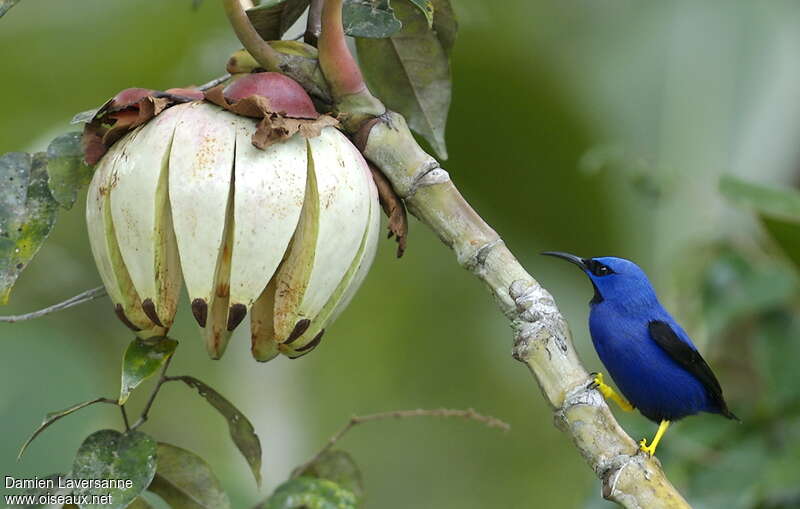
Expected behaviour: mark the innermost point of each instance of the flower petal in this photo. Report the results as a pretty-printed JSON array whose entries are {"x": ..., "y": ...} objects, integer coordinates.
[
  {"x": 329, "y": 234},
  {"x": 143, "y": 220},
  {"x": 269, "y": 189},
  {"x": 262, "y": 331},
  {"x": 200, "y": 188},
  {"x": 108, "y": 258},
  {"x": 354, "y": 276}
]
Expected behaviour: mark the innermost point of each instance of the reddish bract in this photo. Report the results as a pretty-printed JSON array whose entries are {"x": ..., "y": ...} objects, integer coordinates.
[
  {"x": 193, "y": 93},
  {"x": 285, "y": 95},
  {"x": 129, "y": 97}
]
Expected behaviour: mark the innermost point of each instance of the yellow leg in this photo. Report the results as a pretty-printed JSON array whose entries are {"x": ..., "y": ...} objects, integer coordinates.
[
  {"x": 651, "y": 449},
  {"x": 609, "y": 393}
]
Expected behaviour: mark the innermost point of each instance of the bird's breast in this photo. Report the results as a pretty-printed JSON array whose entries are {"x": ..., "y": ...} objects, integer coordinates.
[{"x": 651, "y": 380}]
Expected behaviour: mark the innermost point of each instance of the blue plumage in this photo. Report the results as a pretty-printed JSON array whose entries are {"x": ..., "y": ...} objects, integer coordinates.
[{"x": 649, "y": 356}]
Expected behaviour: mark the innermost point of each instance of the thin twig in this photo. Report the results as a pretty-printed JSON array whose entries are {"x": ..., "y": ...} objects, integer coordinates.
[
  {"x": 267, "y": 57},
  {"x": 468, "y": 414},
  {"x": 163, "y": 378},
  {"x": 88, "y": 295},
  {"x": 125, "y": 417},
  {"x": 55, "y": 416},
  {"x": 314, "y": 22},
  {"x": 213, "y": 83}
]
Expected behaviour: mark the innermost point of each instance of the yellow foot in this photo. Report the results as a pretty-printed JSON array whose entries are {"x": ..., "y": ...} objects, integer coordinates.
[
  {"x": 609, "y": 393},
  {"x": 649, "y": 450}
]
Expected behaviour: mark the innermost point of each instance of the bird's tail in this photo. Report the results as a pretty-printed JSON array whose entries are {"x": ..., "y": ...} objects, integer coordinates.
[{"x": 730, "y": 415}]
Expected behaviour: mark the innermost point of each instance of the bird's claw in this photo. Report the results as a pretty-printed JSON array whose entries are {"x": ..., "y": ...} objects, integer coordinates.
[
  {"x": 597, "y": 380},
  {"x": 648, "y": 450}
]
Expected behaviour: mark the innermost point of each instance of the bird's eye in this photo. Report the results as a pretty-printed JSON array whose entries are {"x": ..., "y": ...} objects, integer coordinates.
[{"x": 600, "y": 270}]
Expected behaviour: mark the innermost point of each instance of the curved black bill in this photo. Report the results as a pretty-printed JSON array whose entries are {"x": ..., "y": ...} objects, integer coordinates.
[{"x": 577, "y": 260}]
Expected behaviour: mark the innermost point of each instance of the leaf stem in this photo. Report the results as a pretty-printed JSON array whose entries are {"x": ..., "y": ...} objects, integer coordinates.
[
  {"x": 56, "y": 416},
  {"x": 249, "y": 37},
  {"x": 351, "y": 97},
  {"x": 161, "y": 380},
  {"x": 314, "y": 22},
  {"x": 469, "y": 414},
  {"x": 338, "y": 65},
  {"x": 124, "y": 417},
  {"x": 213, "y": 83},
  {"x": 87, "y": 296}
]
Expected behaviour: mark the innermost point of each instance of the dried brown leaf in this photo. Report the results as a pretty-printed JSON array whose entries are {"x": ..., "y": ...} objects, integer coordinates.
[
  {"x": 275, "y": 126},
  {"x": 393, "y": 207}
]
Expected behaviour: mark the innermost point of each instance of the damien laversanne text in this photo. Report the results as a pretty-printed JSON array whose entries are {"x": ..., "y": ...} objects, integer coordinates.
[{"x": 66, "y": 483}]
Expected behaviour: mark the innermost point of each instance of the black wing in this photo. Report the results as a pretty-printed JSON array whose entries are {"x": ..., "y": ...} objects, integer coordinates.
[{"x": 690, "y": 360}]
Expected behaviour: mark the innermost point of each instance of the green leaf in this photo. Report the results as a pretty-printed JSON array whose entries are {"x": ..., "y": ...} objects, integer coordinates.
[
  {"x": 109, "y": 455},
  {"x": 272, "y": 18},
  {"x": 410, "y": 73},
  {"x": 27, "y": 214},
  {"x": 185, "y": 481},
  {"x": 84, "y": 117},
  {"x": 143, "y": 358},
  {"x": 53, "y": 417},
  {"x": 65, "y": 168},
  {"x": 426, "y": 7},
  {"x": 369, "y": 18},
  {"x": 339, "y": 467},
  {"x": 242, "y": 432},
  {"x": 444, "y": 24},
  {"x": 5, "y": 5},
  {"x": 310, "y": 493},
  {"x": 787, "y": 235},
  {"x": 770, "y": 201},
  {"x": 778, "y": 209}
]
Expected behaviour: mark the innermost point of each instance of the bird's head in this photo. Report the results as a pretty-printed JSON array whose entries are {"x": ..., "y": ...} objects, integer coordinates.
[{"x": 613, "y": 278}]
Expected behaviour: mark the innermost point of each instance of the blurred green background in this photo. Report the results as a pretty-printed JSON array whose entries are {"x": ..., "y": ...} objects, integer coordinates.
[{"x": 595, "y": 127}]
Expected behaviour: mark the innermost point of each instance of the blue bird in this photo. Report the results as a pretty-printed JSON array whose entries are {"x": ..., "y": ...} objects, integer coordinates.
[{"x": 648, "y": 355}]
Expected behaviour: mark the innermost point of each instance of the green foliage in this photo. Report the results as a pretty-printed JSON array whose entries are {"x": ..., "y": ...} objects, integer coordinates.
[
  {"x": 143, "y": 358},
  {"x": 109, "y": 454},
  {"x": 66, "y": 170},
  {"x": 426, "y": 7},
  {"x": 185, "y": 481},
  {"x": 5, "y": 5},
  {"x": 410, "y": 71},
  {"x": 778, "y": 209},
  {"x": 310, "y": 493},
  {"x": 339, "y": 467},
  {"x": 27, "y": 214},
  {"x": 241, "y": 430},
  {"x": 369, "y": 18},
  {"x": 33, "y": 186},
  {"x": 733, "y": 286},
  {"x": 751, "y": 306},
  {"x": 272, "y": 18}
]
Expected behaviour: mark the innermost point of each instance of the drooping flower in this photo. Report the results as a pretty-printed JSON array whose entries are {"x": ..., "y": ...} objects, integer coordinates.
[{"x": 285, "y": 234}]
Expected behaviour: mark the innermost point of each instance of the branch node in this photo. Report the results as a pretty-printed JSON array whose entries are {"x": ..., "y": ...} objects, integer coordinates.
[
  {"x": 429, "y": 175},
  {"x": 611, "y": 470},
  {"x": 581, "y": 394},
  {"x": 477, "y": 260}
]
